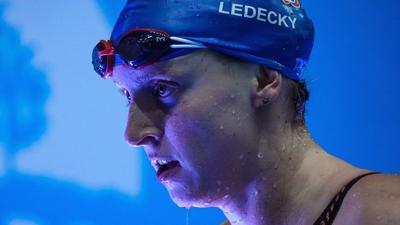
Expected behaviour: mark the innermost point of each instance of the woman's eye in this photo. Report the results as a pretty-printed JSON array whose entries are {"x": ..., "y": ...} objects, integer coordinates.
[
  {"x": 126, "y": 93},
  {"x": 164, "y": 90}
]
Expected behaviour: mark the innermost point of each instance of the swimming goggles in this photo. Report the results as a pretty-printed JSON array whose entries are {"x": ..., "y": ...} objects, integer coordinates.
[{"x": 137, "y": 48}]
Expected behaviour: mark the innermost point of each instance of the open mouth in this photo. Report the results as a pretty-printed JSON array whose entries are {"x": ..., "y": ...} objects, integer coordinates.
[{"x": 163, "y": 166}]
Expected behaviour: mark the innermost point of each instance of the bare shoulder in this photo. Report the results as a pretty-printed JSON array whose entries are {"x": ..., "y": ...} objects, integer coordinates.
[{"x": 374, "y": 199}]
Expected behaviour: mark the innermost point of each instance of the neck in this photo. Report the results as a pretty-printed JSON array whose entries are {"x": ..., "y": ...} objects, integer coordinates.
[{"x": 295, "y": 181}]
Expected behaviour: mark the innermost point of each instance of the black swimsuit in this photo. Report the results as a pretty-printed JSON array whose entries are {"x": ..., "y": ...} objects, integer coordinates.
[{"x": 328, "y": 215}]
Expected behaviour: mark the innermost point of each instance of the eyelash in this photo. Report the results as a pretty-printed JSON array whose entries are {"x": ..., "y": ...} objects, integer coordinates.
[
  {"x": 161, "y": 84},
  {"x": 126, "y": 93},
  {"x": 156, "y": 87}
]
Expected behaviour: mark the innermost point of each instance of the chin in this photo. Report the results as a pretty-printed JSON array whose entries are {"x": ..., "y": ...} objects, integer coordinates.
[
  {"x": 192, "y": 191},
  {"x": 187, "y": 203},
  {"x": 183, "y": 196}
]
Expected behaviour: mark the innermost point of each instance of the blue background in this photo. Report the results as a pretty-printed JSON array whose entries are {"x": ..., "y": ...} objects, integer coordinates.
[{"x": 63, "y": 159}]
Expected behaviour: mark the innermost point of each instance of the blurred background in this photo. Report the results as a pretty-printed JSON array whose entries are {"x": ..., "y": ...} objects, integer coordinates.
[{"x": 63, "y": 160}]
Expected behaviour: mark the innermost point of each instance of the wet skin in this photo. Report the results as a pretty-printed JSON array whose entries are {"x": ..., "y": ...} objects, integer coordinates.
[
  {"x": 235, "y": 152},
  {"x": 196, "y": 123}
]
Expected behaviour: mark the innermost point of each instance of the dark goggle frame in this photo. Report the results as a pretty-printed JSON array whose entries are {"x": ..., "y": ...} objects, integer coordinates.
[{"x": 137, "y": 48}]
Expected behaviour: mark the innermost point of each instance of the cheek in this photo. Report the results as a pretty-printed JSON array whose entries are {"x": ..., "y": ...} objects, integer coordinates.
[
  {"x": 188, "y": 130},
  {"x": 210, "y": 128}
]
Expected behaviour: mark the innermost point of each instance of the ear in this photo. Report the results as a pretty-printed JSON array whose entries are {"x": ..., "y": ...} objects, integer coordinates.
[{"x": 266, "y": 86}]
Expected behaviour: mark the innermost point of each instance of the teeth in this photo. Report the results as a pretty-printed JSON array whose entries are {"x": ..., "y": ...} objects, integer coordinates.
[{"x": 162, "y": 162}]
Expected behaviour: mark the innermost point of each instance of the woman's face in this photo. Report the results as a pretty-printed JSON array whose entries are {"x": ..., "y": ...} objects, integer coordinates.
[{"x": 196, "y": 111}]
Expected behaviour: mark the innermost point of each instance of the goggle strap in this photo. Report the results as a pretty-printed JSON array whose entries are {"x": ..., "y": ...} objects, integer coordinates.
[
  {"x": 186, "y": 41},
  {"x": 187, "y": 46}
]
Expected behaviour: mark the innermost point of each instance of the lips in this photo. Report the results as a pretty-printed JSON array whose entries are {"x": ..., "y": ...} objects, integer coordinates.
[{"x": 165, "y": 168}]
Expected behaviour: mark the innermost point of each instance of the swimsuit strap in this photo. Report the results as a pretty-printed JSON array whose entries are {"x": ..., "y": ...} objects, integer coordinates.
[{"x": 328, "y": 215}]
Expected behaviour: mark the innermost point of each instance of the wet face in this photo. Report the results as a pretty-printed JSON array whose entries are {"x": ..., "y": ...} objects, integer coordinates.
[{"x": 194, "y": 114}]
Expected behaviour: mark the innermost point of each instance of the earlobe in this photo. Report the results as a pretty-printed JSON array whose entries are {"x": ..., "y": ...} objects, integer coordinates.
[{"x": 266, "y": 86}]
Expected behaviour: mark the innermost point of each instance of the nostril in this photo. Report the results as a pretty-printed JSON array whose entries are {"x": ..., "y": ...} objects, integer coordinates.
[
  {"x": 146, "y": 137},
  {"x": 148, "y": 140}
]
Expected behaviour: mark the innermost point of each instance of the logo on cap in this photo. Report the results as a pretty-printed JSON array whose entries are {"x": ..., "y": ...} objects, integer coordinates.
[{"x": 294, "y": 3}]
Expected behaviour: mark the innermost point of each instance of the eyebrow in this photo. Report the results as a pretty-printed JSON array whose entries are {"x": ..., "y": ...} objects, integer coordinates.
[
  {"x": 165, "y": 71},
  {"x": 145, "y": 77},
  {"x": 142, "y": 76}
]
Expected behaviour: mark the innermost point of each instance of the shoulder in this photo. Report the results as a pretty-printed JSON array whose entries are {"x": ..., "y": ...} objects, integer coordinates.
[{"x": 374, "y": 199}]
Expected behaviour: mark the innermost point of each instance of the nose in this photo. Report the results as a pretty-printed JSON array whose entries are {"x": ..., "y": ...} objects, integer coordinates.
[
  {"x": 148, "y": 137},
  {"x": 140, "y": 129}
]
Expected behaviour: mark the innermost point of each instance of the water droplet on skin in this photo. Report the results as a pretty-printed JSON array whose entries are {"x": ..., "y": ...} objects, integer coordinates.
[
  {"x": 227, "y": 188},
  {"x": 221, "y": 127},
  {"x": 260, "y": 155},
  {"x": 233, "y": 112},
  {"x": 219, "y": 182},
  {"x": 391, "y": 197},
  {"x": 241, "y": 156},
  {"x": 379, "y": 217},
  {"x": 232, "y": 96},
  {"x": 274, "y": 185},
  {"x": 198, "y": 14}
]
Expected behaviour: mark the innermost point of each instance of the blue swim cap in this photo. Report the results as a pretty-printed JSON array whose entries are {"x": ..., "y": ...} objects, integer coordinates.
[{"x": 276, "y": 33}]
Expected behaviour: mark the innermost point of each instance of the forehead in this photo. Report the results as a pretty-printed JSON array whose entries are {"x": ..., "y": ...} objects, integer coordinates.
[{"x": 183, "y": 67}]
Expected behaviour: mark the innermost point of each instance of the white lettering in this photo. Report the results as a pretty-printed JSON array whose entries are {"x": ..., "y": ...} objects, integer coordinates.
[
  {"x": 293, "y": 21},
  {"x": 261, "y": 12},
  {"x": 246, "y": 11},
  {"x": 282, "y": 19},
  {"x": 270, "y": 20},
  {"x": 236, "y": 8},
  {"x": 221, "y": 8}
]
